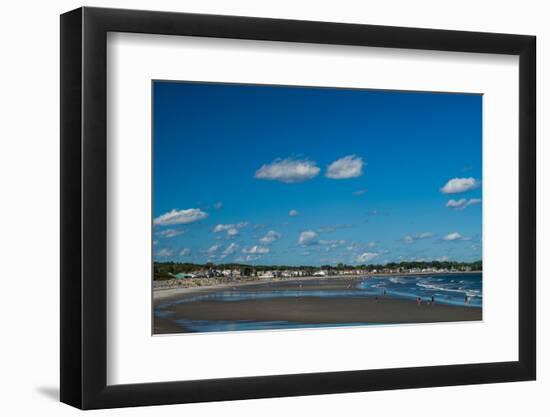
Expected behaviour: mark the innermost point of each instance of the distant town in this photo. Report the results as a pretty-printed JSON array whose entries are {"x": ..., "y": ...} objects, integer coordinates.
[{"x": 164, "y": 271}]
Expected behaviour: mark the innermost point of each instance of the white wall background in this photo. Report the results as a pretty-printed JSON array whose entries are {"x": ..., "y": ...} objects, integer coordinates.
[{"x": 29, "y": 225}]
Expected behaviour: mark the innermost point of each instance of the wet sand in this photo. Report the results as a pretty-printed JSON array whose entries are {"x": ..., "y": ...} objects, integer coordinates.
[{"x": 302, "y": 310}]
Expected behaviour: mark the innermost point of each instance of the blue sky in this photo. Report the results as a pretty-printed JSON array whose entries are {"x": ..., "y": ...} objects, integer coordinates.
[{"x": 311, "y": 176}]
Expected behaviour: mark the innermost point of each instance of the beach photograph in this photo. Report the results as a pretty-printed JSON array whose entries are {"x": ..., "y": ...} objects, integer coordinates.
[{"x": 297, "y": 207}]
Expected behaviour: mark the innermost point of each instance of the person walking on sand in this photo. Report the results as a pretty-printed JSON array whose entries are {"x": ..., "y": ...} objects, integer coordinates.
[
  {"x": 433, "y": 299},
  {"x": 418, "y": 300},
  {"x": 466, "y": 300}
]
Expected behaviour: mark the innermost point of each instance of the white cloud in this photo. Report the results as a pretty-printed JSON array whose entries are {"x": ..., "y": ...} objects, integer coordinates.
[
  {"x": 366, "y": 257},
  {"x": 359, "y": 192},
  {"x": 451, "y": 237},
  {"x": 232, "y": 248},
  {"x": 459, "y": 185},
  {"x": 218, "y": 205},
  {"x": 168, "y": 233},
  {"x": 350, "y": 166},
  {"x": 222, "y": 227},
  {"x": 230, "y": 229},
  {"x": 213, "y": 248},
  {"x": 307, "y": 238},
  {"x": 270, "y": 237},
  {"x": 288, "y": 170},
  {"x": 413, "y": 238},
  {"x": 164, "y": 253},
  {"x": 331, "y": 244},
  {"x": 462, "y": 203},
  {"x": 256, "y": 250},
  {"x": 293, "y": 213},
  {"x": 333, "y": 228},
  {"x": 180, "y": 217},
  {"x": 185, "y": 252}
]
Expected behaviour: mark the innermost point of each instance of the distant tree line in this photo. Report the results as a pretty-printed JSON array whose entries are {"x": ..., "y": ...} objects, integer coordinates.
[{"x": 167, "y": 270}]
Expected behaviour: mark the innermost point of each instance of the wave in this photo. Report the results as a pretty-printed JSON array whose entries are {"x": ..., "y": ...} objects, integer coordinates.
[{"x": 467, "y": 291}]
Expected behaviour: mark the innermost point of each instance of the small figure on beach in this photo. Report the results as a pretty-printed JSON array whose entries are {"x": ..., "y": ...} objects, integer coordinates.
[
  {"x": 385, "y": 292},
  {"x": 466, "y": 299},
  {"x": 433, "y": 299},
  {"x": 418, "y": 300}
]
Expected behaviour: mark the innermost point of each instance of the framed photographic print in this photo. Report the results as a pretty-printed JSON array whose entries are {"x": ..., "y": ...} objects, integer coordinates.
[{"x": 257, "y": 208}]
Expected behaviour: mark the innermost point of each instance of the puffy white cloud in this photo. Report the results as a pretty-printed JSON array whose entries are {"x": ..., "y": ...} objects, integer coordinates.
[
  {"x": 462, "y": 203},
  {"x": 293, "y": 213},
  {"x": 307, "y": 238},
  {"x": 180, "y": 217},
  {"x": 213, "y": 248},
  {"x": 459, "y": 185},
  {"x": 334, "y": 243},
  {"x": 222, "y": 227},
  {"x": 359, "y": 192},
  {"x": 230, "y": 229},
  {"x": 350, "y": 166},
  {"x": 232, "y": 248},
  {"x": 451, "y": 237},
  {"x": 288, "y": 170},
  {"x": 413, "y": 238},
  {"x": 164, "y": 253},
  {"x": 168, "y": 233},
  {"x": 366, "y": 257},
  {"x": 185, "y": 252},
  {"x": 333, "y": 228},
  {"x": 256, "y": 250},
  {"x": 270, "y": 237},
  {"x": 233, "y": 231}
]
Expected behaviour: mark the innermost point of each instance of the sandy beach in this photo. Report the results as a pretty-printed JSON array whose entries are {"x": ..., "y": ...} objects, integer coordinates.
[{"x": 176, "y": 307}]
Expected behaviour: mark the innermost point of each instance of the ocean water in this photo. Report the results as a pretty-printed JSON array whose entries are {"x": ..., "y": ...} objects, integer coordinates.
[{"x": 456, "y": 289}]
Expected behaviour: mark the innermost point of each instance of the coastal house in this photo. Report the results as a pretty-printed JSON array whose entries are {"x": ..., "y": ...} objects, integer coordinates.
[{"x": 266, "y": 275}]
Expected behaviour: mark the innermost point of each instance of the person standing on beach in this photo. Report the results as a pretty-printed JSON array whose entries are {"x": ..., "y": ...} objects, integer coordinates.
[
  {"x": 433, "y": 299},
  {"x": 418, "y": 300}
]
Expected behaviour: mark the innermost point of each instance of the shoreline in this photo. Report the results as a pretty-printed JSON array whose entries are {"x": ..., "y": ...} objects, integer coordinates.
[{"x": 171, "y": 291}]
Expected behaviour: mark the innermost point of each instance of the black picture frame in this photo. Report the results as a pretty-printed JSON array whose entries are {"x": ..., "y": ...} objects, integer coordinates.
[{"x": 84, "y": 207}]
